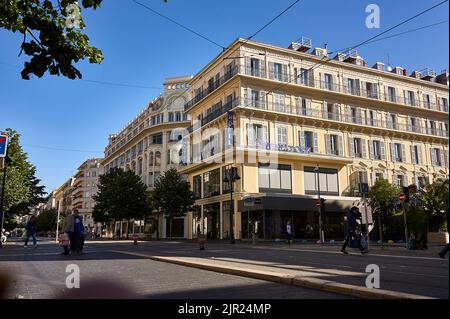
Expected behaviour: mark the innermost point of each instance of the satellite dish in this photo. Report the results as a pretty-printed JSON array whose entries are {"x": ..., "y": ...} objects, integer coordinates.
[{"x": 389, "y": 68}]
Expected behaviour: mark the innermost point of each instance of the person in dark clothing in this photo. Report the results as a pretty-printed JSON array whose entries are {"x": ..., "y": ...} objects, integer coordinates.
[
  {"x": 31, "y": 231},
  {"x": 444, "y": 251},
  {"x": 77, "y": 233},
  {"x": 352, "y": 224}
]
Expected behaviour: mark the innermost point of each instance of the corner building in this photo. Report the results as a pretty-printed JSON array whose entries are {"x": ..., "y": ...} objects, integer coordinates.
[{"x": 306, "y": 109}]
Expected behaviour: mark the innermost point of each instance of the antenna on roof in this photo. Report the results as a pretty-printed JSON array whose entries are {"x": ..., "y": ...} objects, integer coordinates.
[{"x": 389, "y": 67}]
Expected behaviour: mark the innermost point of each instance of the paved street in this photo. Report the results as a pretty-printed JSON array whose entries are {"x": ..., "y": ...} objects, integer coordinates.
[{"x": 40, "y": 273}]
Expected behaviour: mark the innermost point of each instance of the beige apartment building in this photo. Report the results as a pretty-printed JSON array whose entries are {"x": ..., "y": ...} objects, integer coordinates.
[
  {"x": 149, "y": 145},
  {"x": 84, "y": 186},
  {"x": 297, "y": 109}
]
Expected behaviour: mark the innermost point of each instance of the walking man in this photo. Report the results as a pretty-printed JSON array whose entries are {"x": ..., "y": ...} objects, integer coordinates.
[
  {"x": 78, "y": 232},
  {"x": 289, "y": 232},
  {"x": 352, "y": 224},
  {"x": 31, "y": 231},
  {"x": 444, "y": 251}
]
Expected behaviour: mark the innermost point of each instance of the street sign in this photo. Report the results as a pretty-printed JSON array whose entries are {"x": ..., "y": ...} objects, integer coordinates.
[
  {"x": 364, "y": 188},
  {"x": 402, "y": 197},
  {"x": 3, "y": 145}
]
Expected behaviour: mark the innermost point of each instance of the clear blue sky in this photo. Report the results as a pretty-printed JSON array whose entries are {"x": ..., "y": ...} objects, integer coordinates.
[{"x": 141, "y": 48}]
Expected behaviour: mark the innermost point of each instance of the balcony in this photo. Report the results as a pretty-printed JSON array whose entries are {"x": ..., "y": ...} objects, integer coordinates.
[{"x": 213, "y": 115}]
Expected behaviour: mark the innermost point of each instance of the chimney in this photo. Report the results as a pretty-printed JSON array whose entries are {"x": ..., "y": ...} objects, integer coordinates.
[
  {"x": 443, "y": 78},
  {"x": 416, "y": 74}
]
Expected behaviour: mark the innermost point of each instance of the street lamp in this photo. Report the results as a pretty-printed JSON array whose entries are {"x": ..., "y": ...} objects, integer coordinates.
[
  {"x": 230, "y": 177},
  {"x": 316, "y": 170}
]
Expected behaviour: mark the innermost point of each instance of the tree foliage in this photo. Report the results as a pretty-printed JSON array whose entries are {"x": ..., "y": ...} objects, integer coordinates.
[
  {"x": 121, "y": 195},
  {"x": 46, "y": 221},
  {"x": 22, "y": 189},
  {"x": 381, "y": 195},
  {"x": 435, "y": 201},
  {"x": 52, "y": 35},
  {"x": 172, "y": 195}
]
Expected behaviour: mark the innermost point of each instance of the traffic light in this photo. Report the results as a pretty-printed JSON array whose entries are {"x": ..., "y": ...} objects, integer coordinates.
[{"x": 322, "y": 205}]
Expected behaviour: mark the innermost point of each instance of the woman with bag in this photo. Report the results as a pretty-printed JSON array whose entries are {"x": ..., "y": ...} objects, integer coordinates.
[{"x": 68, "y": 228}]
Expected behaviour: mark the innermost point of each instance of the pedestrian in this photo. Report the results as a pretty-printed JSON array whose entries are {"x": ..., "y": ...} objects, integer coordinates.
[
  {"x": 68, "y": 229},
  {"x": 444, "y": 251},
  {"x": 289, "y": 232},
  {"x": 31, "y": 231},
  {"x": 308, "y": 230},
  {"x": 78, "y": 232},
  {"x": 351, "y": 234}
]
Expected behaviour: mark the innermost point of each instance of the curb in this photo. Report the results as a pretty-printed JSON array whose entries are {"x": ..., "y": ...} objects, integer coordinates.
[{"x": 313, "y": 283}]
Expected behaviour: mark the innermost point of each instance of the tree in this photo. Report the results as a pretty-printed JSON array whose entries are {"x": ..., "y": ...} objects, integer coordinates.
[
  {"x": 22, "y": 189},
  {"x": 46, "y": 221},
  {"x": 121, "y": 195},
  {"x": 435, "y": 202},
  {"x": 381, "y": 197},
  {"x": 52, "y": 35},
  {"x": 172, "y": 196}
]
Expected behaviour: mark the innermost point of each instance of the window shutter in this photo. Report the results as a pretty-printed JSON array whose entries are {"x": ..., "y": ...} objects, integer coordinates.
[
  {"x": 325, "y": 110},
  {"x": 245, "y": 96},
  {"x": 433, "y": 157},
  {"x": 298, "y": 106},
  {"x": 375, "y": 90},
  {"x": 327, "y": 144},
  {"x": 262, "y": 64},
  {"x": 333, "y": 81},
  {"x": 403, "y": 153},
  {"x": 405, "y": 95},
  {"x": 336, "y": 115},
  {"x": 345, "y": 85},
  {"x": 351, "y": 146},
  {"x": 251, "y": 134},
  {"x": 357, "y": 87},
  {"x": 248, "y": 66},
  {"x": 409, "y": 124},
  {"x": 442, "y": 157},
  {"x": 264, "y": 128},
  {"x": 322, "y": 80},
  {"x": 364, "y": 148},
  {"x": 271, "y": 71},
  {"x": 349, "y": 113},
  {"x": 393, "y": 154},
  {"x": 262, "y": 99},
  {"x": 296, "y": 79},
  {"x": 382, "y": 151},
  {"x": 419, "y": 154},
  {"x": 308, "y": 106},
  {"x": 302, "y": 138},
  {"x": 371, "y": 153},
  {"x": 341, "y": 146},
  {"x": 285, "y": 73},
  {"x": 386, "y": 96},
  {"x": 316, "y": 143},
  {"x": 413, "y": 155},
  {"x": 358, "y": 115}
]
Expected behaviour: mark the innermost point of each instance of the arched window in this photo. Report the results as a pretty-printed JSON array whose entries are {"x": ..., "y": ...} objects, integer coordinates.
[
  {"x": 140, "y": 166},
  {"x": 150, "y": 160},
  {"x": 158, "y": 158}
]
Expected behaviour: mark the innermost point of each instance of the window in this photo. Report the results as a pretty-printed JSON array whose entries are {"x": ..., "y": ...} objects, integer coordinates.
[
  {"x": 421, "y": 181},
  {"x": 133, "y": 152},
  {"x": 303, "y": 106},
  {"x": 399, "y": 180},
  {"x": 327, "y": 81},
  {"x": 328, "y": 181},
  {"x": 309, "y": 140},
  {"x": 256, "y": 134},
  {"x": 274, "y": 178},
  {"x": 88, "y": 194},
  {"x": 128, "y": 155},
  {"x": 409, "y": 98},
  {"x": 333, "y": 144},
  {"x": 171, "y": 117},
  {"x": 140, "y": 147},
  {"x": 355, "y": 115},
  {"x": 94, "y": 173},
  {"x": 282, "y": 135},
  {"x": 157, "y": 139},
  {"x": 278, "y": 71},
  {"x": 178, "y": 116},
  {"x": 278, "y": 101},
  {"x": 140, "y": 166},
  {"x": 427, "y": 101},
  {"x": 356, "y": 179},
  {"x": 211, "y": 146},
  {"x": 157, "y": 158},
  {"x": 443, "y": 104},
  {"x": 416, "y": 154},
  {"x": 357, "y": 147},
  {"x": 371, "y": 118},
  {"x": 254, "y": 67},
  {"x": 197, "y": 186},
  {"x": 379, "y": 176},
  {"x": 398, "y": 152},
  {"x": 437, "y": 157},
  {"x": 391, "y": 94},
  {"x": 257, "y": 99},
  {"x": 304, "y": 77},
  {"x": 353, "y": 86},
  {"x": 226, "y": 187},
  {"x": 376, "y": 150},
  {"x": 392, "y": 121},
  {"x": 372, "y": 90},
  {"x": 211, "y": 183}
]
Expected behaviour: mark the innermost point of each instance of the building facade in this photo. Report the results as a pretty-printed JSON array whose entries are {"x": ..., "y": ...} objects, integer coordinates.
[
  {"x": 149, "y": 145},
  {"x": 84, "y": 186},
  {"x": 304, "y": 121}
]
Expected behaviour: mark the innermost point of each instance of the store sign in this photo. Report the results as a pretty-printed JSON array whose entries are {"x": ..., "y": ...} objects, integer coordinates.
[
  {"x": 229, "y": 130},
  {"x": 283, "y": 148}
]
